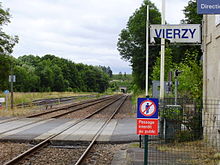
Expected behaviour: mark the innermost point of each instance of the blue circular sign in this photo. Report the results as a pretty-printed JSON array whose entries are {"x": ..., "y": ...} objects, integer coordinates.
[{"x": 6, "y": 92}]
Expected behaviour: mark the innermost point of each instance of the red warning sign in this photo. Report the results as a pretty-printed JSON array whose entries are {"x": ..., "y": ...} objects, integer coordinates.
[{"x": 147, "y": 126}]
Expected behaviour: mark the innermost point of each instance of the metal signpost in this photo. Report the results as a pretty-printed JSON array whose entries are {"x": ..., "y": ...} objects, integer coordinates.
[
  {"x": 147, "y": 120},
  {"x": 208, "y": 6},
  {"x": 12, "y": 79}
]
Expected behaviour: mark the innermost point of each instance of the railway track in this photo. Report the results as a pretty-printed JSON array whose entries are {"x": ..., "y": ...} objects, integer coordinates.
[
  {"x": 47, "y": 141},
  {"x": 60, "y": 109},
  {"x": 77, "y": 106},
  {"x": 83, "y": 156},
  {"x": 51, "y": 101}
]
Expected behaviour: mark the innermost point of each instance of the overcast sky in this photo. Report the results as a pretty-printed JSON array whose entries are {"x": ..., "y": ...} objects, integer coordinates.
[{"x": 84, "y": 31}]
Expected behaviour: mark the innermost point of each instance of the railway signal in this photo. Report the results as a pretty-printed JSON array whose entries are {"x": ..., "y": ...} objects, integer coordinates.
[{"x": 177, "y": 72}]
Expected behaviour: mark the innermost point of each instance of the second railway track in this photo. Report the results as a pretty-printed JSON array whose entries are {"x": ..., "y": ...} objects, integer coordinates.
[
  {"x": 61, "y": 111},
  {"x": 62, "y": 108}
]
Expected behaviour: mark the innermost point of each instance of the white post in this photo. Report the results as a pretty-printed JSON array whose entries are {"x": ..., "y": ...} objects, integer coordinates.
[
  {"x": 147, "y": 48},
  {"x": 6, "y": 103},
  {"x": 162, "y": 63}
]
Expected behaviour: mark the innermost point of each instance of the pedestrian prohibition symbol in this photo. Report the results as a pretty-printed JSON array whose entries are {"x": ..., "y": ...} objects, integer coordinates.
[{"x": 147, "y": 108}]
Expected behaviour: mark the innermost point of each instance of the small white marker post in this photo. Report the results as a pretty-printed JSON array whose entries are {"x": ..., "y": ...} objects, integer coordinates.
[
  {"x": 2, "y": 100},
  {"x": 6, "y": 103}
]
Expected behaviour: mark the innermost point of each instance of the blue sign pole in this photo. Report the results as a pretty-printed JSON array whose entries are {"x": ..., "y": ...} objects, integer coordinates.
[{"x": 208, "y": 6}]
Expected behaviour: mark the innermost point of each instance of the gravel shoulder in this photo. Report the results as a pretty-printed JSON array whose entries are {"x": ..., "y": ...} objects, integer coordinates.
[{"x": 10, "y": 150}]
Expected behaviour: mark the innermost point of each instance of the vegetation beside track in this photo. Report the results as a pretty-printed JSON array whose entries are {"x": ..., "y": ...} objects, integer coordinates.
[
  {"x": 20, "y": 98},
  {"x": 205, "y": 155}
]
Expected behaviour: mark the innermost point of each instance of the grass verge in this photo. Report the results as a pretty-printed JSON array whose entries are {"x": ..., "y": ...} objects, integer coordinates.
[
  {"x": 29, "y": 97},
  {"x": 197, "y": 152}
]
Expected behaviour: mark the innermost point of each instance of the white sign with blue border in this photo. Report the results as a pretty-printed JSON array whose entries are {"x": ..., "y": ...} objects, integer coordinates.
[
  {"x": 147, "y": 108},
  {"x": 183, "y": 33},
  {"x": 208, "y": 6}
]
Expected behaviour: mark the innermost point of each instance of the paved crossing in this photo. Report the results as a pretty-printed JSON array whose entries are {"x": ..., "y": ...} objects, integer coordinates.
[{"x": 26, "y": 129}]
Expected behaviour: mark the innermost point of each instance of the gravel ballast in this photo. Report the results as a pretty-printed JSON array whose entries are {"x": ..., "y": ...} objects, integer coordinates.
[{"x": 10, "y": 150}]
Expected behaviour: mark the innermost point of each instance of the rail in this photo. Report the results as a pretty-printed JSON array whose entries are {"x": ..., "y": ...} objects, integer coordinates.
[
  {"x": 46, "y": 142},
  {"x": 98, "y": 134},
  {"x": 50, "y": 101}
]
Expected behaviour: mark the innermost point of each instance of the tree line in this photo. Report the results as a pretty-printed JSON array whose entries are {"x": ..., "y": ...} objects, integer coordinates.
[
  {"x": 51, "y": 73},
  {"x": 47, "y": 73}
]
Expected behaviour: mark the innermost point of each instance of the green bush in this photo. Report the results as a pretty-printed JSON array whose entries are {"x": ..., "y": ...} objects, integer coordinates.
[
  {"x": 184, "y": 136},
  {"x": 173, "y": 112}
]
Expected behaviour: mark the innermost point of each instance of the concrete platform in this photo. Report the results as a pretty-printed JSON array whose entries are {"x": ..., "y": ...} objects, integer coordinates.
[{"x": 36, "y": 129}]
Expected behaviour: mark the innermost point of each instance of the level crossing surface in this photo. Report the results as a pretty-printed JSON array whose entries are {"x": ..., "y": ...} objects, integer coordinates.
[{"x": 34, "y": 129}]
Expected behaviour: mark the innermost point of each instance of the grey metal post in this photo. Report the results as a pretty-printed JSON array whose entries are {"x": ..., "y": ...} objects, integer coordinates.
[
  {"x": 176, "y": 85},
  {"x": 12, "y": 95},
  {"x": 12, "y": 92},
  {"x": 12, "y": 79}
]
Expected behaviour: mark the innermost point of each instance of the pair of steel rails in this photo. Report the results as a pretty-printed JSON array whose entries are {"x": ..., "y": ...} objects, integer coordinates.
[{"x": 47, "y": 141}]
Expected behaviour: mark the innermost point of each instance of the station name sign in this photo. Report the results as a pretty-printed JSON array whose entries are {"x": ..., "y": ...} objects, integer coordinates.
[
  {"x": 183, "y": 33},
  {"x": 208, "y": 6}
]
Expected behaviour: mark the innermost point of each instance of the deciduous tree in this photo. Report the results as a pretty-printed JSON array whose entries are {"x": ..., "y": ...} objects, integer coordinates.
[
  {"x": 132, "y": 42},
  {"x": 7, "y": 43}
]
